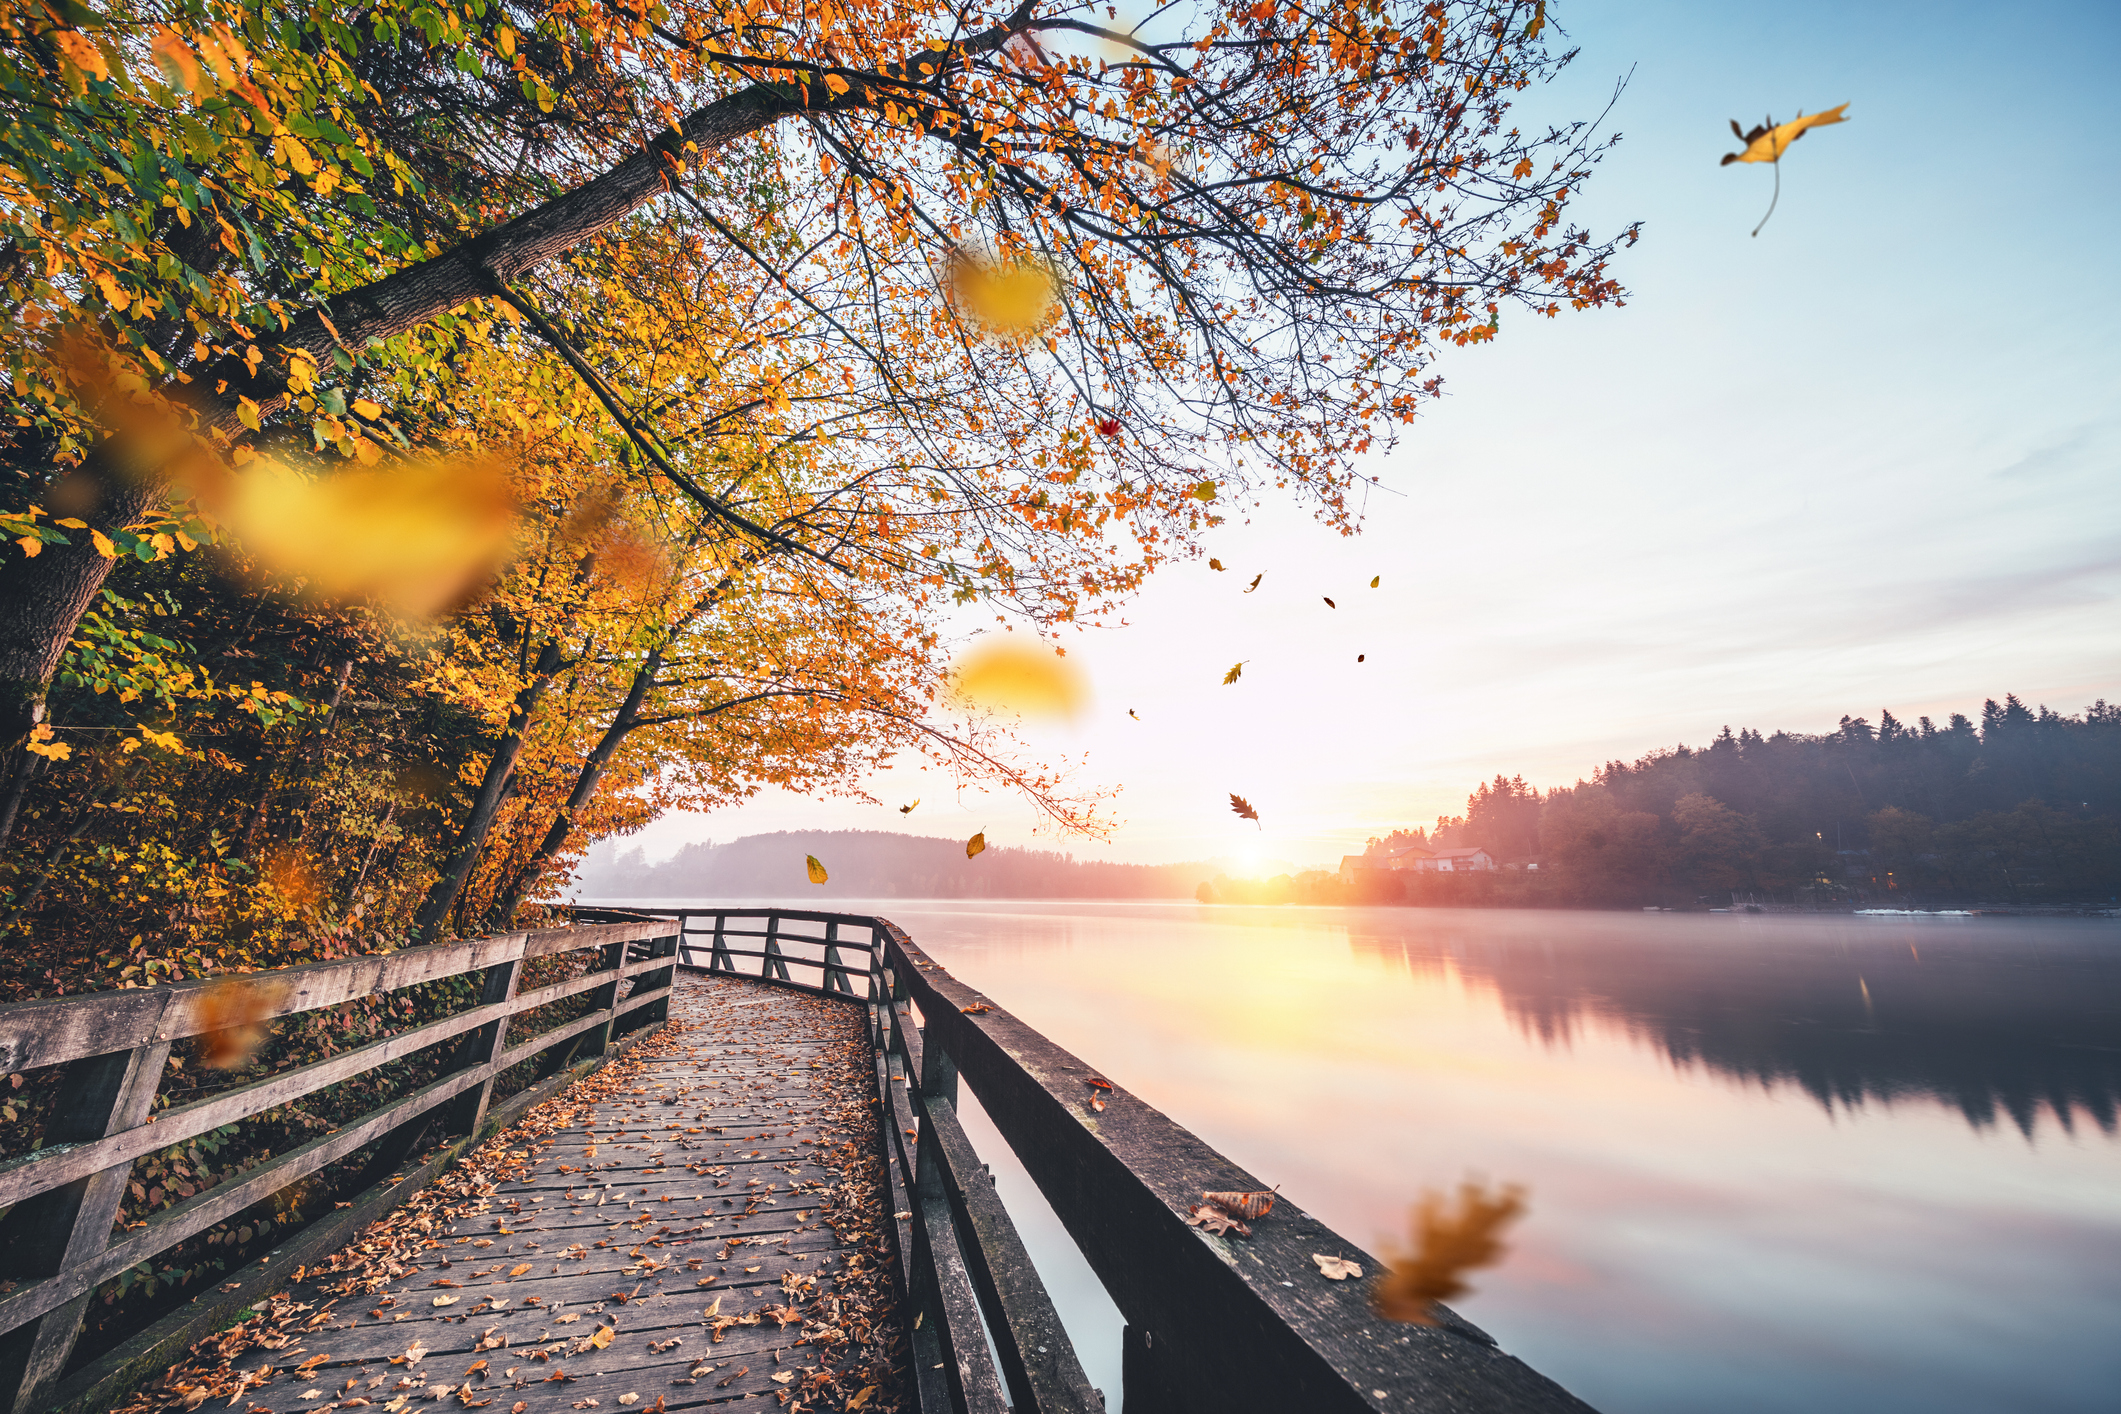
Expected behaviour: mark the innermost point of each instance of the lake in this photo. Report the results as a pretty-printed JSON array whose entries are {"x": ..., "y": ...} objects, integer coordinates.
[{"x": 1777, "y": 1164}]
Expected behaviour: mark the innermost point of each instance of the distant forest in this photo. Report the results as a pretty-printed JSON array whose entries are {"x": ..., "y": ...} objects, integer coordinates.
[
  {"x": 877, "y": 864},
  {"x": 2022, "y": 807}
]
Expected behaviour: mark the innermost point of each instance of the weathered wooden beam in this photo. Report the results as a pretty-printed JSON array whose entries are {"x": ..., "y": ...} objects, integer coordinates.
[
  {"x": 70, "y": 1225},
  {"x": 60, "y": 1029},
  {"x": 1037, "y": 1359},
  {"x": 1235, "y": 1323}
]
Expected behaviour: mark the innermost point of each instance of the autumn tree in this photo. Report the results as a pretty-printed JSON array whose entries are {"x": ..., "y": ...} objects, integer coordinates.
[{"x": 1258, "y": 224}]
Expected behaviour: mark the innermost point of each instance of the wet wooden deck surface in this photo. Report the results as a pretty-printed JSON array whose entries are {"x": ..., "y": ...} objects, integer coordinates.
[{"x": 705, "y": 1226}]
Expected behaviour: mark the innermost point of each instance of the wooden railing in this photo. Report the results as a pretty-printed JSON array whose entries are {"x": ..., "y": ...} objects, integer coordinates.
[
  {"x": 62, "y": 1200},
  {"x": 1212, "y": 1323}
]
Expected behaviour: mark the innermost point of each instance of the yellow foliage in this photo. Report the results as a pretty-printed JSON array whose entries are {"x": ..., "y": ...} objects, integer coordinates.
[{"x": 1010, "y": 299}]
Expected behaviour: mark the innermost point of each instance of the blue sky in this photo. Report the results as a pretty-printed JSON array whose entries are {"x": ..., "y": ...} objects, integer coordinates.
[{"x": 1867, "y": 460}]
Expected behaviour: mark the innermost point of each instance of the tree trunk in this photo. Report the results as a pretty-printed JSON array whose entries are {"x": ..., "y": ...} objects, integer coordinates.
[
  {"x": 486, "y": 805},
  {"x": 585, "y": 789}
]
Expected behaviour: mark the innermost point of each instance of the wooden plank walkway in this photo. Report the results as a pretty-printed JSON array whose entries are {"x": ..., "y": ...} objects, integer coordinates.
[{"x": 700, "y": 1222}]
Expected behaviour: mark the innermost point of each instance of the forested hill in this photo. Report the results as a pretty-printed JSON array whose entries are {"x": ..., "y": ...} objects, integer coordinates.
[
  {"x": 2024, "y": 804},
  {"x": 876, "y": 864}
]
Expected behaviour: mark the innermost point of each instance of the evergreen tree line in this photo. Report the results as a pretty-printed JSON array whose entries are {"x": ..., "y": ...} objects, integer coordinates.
[{"x": 2022, "y": 807}]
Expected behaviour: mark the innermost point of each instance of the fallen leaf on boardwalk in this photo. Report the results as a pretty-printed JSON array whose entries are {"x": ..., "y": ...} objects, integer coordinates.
[
  {"x": 732, "y": 1379},
  {"x": 1766, "y": 142},
  {"x": 1098, "y": 1082},
  {"x": 412, "y": 1356},
  {"x": 628, "y": 1398},
  {"x": 1216, "y": 1220},
  {"x": 817, "y": 876},
  {"x": 1003, "y": 675},
  {"x": 569, "y": 1319},
  {"x": 447, "y": 1300},
  {"x": 1252, "y": 1206},
  {"x": 908, "y": 809},
  {"x": 1234, "y": 674},
  {"x": 862, "y": 1398},
  {"x": 784, "y": 1315},
  {"x": 518, "y": 1269},
  {"x": 1242, "y": 808},
  {"x": 586, "y": 1403},
  {"x": 602, "y": 1337},
  {"x": 977, "y": 844},
  {"x": 484, "y": 1241},
  {"x": 519, "y": 1406},
  {"x": 976, "y": 1009},
  {"x": 714, "y": 1310},
  {"x": 233, "y": 1013},
  {"x": 784, "y": 1377},
  {"x": 474, "y": 1368},
  {"x": 1447, "y": 1245},
  {"x": 1336, "y": 1268},
  {"x": 309, "y": 1367},
  {"x": 1329, "y": 603}
]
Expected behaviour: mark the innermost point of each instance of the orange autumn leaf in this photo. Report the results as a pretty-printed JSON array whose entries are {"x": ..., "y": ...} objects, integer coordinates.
[
  {"x": 1242, "y": 808},
  {"x": 179, "y": 65},
  {"x": 815, "y": 870},
  {"x": 602, "y": 1338},
  {"x": 1252, "y": 1206},
  {"x": 1447, "y": 1243},
  {"x": 232, "y": 1013},
  {"x": 976, "y": 845},
  {"x": 518, "y": 1269}
]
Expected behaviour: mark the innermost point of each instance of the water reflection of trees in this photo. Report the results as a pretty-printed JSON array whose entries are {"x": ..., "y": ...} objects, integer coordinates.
[{"x": 1985, "y": 1019}]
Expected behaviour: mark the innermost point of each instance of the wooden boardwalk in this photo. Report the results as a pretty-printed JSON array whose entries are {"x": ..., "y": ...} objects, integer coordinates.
[{"x": 700, "y": 1222}]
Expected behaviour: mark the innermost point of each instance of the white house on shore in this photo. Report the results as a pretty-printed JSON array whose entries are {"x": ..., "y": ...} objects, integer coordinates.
[{"x": 1415, "y": 859}]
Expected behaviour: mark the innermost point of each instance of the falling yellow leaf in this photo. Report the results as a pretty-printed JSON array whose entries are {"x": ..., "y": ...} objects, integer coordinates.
[
  {"x": 418, "y": 537},
  {"x": 179, "y": 65},
  {"x": 1005, "y": 675},
  {"x": 908, "y": 809},
  {"x": 367, "y": 409},
  {"x": 1374, "y": 580},
  {"x": 1237, "y": 671},
  {"x": 977, "y": 843},
  {"x": 1012, "y": 299},
  {"x": 1766, "y": 142},
  {"x": 1447, "y": 1245},
  {"x": 1255, "y": 581}
]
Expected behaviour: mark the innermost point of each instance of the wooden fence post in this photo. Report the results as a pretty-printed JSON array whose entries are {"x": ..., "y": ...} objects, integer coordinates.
[
  {"x": 720, "y": 960},
  {"x": 479, "y": 1048},
  {"x": 773, "y": 964},
  {"x": 44, "y": 1235},
  {"x": 608, "y": 998}
]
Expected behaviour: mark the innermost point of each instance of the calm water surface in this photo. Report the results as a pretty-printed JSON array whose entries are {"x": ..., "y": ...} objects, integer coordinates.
[{"x": 1777, "y": 1164}]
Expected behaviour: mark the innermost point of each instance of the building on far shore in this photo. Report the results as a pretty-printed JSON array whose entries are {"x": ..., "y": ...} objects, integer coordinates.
[{"x": 1416, "y": 859}]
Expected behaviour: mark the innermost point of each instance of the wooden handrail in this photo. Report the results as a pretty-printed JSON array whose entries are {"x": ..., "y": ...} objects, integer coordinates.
[{"x": 61, "y": 1200}]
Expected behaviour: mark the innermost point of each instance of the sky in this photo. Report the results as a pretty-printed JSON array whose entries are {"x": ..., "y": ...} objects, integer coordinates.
[{"x": 1863, "y": 461}]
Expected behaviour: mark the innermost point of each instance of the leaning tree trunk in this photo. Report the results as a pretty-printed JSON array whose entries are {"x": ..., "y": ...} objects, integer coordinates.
[
  {"x": 441, "y": 898},
  {"x": 585, "y": 789}
]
